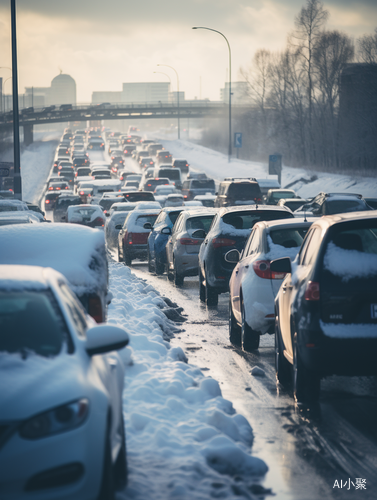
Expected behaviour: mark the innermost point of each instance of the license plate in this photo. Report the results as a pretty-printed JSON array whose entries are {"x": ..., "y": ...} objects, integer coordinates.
[{"x": 373, "y": 311}]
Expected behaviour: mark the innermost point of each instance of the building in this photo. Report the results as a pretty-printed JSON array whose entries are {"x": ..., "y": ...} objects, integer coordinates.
[
  {"x": 63, "y": 90},
  {"x": 147, "y": 92},
  {"x": 239, "y": 93},
  {"x": 106, "y": 96}
]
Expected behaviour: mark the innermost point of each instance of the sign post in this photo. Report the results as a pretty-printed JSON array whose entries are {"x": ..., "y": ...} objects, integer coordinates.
[
  {"x": 238, "y": 141},
  {"x": 275, "y": 165}
]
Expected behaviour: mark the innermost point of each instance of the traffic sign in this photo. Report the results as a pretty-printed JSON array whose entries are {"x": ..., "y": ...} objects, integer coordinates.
[
  {"x": 238, "y": 140},
  {"x": 275, "y": 165}
]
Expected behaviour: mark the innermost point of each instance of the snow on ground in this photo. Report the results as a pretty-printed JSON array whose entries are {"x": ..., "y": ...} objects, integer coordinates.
[
  {"x": 184, "y": 440},
  {"x": 216, "y": 165}
]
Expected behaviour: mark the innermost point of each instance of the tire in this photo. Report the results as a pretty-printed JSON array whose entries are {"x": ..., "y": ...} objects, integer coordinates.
[
  {"x": 159, "y": 267},
  {"x": 107, "y": 491},
  {"x": 282, "y": 366},
  {"x": 249, "y": 337},
  {"x": 234, "y": 329},
  {"x": 212, "y": 297},
  {"x": 306, "y": 384},
  {"x": 127, "y": 258},
  {"x": 178, "y": 278},
  {"x": 120, "y": 466},
  {"x": 202, "y": 288}
]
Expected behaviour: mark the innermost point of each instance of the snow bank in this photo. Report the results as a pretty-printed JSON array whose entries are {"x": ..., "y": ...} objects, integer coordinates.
[{"x": 184, "y": 439}]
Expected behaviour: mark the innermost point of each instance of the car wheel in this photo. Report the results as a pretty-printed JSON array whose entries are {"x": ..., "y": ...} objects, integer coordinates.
[
  {"x": 249, "y": 337},
  {"x": 282, "y": 366},
  {"x": 120, "y": 466},
  {"x": 234, "y": 329},
  {"x": 178, "y": 278},
  {"x": 306, "y": 384},
  {"x": 202, "y": 288},
  {"x": 127, "y": 258},
  {"x": 212, "y": 297},
  {"x": 107, "y": 491},
  {"x": 160, "y": 267}
]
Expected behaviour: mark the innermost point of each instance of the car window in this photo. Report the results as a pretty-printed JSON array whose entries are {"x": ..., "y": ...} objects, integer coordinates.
[
  {"x": 341, "y": 206},
  {"x": 312, "y": 247},
  {"x": 75, "y": 310},
  {"x": 178, "y": 224},
  {"x": 32, "y": 321},
  {"x": 203, "y": 222},
  {"x": 142, "y": 219},
  {"x": 288, "y": 238},
  {"x": 246, "y": 251},
  {"x": 246, "y": 220}
]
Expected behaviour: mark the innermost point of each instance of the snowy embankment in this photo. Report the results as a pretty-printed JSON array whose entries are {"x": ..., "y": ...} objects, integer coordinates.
[
  {"x": 216, "y": 165},
  {"x": 184, "y": 440}
]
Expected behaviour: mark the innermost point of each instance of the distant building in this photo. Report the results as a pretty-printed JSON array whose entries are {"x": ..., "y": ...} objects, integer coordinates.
[
  {"x": 239, "y": 93},
  {"x": 173, "y": 97},
  {"x": 147, "y": 92},
  {"x": 358, "y": 116},
  {"x": 106, "y": 96},
  {"x": 37, "y": 97},
  {"x": 63, "y": 90}
]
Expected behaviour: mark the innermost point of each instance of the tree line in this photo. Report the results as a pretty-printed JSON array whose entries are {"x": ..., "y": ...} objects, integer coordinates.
[{"x": 294, "y": 94}]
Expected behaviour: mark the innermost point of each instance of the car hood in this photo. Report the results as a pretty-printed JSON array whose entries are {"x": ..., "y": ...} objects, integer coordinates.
[{"x": 36, "y": 384}]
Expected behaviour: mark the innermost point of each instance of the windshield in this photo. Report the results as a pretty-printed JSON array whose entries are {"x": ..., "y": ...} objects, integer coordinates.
[
  {"x": 246, "y": 220},
  {"x": 31, "y": 321},
  {"x": 277, "y": 195},
  {"x": 203, "y": 184}
]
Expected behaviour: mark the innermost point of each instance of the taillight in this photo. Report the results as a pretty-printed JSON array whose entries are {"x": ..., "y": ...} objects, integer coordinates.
[
  {"x": 121, "y": 178},
  {"x": 262, "y": 269},
  {"x": 189, "y": 241},
  {"x": 82, "y": 193},
  {"x": 50, "y": 188},
  {"x": 75, "y": 174},
  {"x": 127, "y": 238},
  {"x": 222, "y": 242},
  {"x": 312, "y": 291},
  {"x": 98, "y": 221},
  {"x": 47, "y": 202},
  {"x": 95, "y": 309},
  {"x": 258, "y": 200}
]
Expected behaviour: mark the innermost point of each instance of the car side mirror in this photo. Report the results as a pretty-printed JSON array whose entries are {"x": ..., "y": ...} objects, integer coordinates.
[
  {"x": 166, "y": 230},
  {"x": 105, "y": 338},
  {"x": 118, "y": 226},
  {"x": 107, "y": 214},
  {"x": 199, "y": 233},
  {"x": 147, "y": 225},
  {"x": 282, "y": 265},
  {"x": 233, "y": 256}
]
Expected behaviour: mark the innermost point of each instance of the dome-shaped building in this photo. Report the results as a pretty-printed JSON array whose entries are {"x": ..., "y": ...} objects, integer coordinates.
[{"x": 63, "y": 90}]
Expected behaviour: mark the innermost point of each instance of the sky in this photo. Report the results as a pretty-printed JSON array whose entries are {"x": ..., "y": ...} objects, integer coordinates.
[{"x": 103, "y": 44}]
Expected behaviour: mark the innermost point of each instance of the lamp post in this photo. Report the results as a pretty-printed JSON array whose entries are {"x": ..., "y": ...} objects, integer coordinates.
[
  {"x": 3, "y": 89},
  {"x": 179, "y": 128},
  {"x": 16, "y": 127},
  {"x": 230, "y": 85}
]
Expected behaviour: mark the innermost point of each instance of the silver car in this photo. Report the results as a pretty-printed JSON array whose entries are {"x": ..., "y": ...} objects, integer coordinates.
[{"x": 182, "y": 249}]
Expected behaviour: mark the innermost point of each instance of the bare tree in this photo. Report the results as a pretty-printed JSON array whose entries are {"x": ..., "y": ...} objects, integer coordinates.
[
  {"x": 367, "y": 48},
  {"x": 257, "y": 77},
  {"x": 308, "y": 27}
]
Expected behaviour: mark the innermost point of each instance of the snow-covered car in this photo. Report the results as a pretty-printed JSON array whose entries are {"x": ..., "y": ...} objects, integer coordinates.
[
  {"x": 18, "y": 218},
  {"x": 122, "y": 206},
  {"x": 252, "y": 286},
  {"x": 333, "y": 203},
  {"x": 9, "y": 205},
  {"x": 114, "y": 224},
  {"x": 207, "y": 200},
  {"x": 174, "y": 200},
  {"x": 61, "y": 384},
  {"x": 133, "y": 237},
  {"x": 182, "y": 249},
  {"x": 326, "y": 308},
  {"x": 87, "y": 215},
  {"x": 63, "y": 201},
  {"x": 78, "y": 252},
  {"x": 274, "y": 195},
  {"x": 162, "y": 192}
]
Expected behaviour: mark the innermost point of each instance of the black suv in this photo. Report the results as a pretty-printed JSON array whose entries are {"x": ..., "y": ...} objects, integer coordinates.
[
  {"x": 326, "y": 314},
  {"x": 230, "y": 229},
  {"x": 194, "y": 187},
  {"x": 335, "y": 203},
  {"x": 233, "y": 191}
]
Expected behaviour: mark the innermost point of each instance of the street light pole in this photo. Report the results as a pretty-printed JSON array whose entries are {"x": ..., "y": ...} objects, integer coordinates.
[
  {"x": 230, "y": 86},
  {"x": 179, "y": 127},
  {"x": 16, "y": 126},
  {"x": 160, "y": 73}
]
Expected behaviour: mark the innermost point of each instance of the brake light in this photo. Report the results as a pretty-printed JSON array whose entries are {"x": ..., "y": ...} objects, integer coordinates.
[
  {"x": 185, "y": 196},
  {"x": 121, "y": 178},
  {"x": 47, "y": 202},
  {"x": 262, "y": 269},
  {"x": 95, "y": 309},
  {"x": 67, "y": 187},
  {"x": 50, "y": 188},
  {"x": 128, "y": 238},
  {"x": 312, "y": 291},
  {"x": 189, "y": 241},
  {"x": 222, "y": 242},
  {"x": 75, "y": 174},
  {"x": 257, "y": 200},
  {"x": 82, "y": 193},
  {"x": 125, "y": 151}
]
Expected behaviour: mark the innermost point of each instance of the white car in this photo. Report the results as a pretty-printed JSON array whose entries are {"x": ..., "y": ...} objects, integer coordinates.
[
  {"x": 61, "y": 383},
  {"x": 87, "y": 215},
  {"x": 252, "y": 286}
]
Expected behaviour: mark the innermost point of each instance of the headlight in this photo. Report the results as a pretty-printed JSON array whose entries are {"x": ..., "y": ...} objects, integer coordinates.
[{"x": 60, "y": 419}]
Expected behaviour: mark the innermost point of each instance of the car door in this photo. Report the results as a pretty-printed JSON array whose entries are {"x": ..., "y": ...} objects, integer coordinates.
[{"x": 171, "y": 241}]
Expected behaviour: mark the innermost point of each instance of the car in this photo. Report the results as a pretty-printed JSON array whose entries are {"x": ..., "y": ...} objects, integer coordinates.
[
  {"x": 146, "y": 142},
  {"x": 173, "y": 174},
  {"x": 12, "y": 205},
  {"x": 180, "y": 163},
  {"x": 65, "y": 164},
  {"x": 59, "y": 386},
  {"x": 66, "y": 107},
  {"x": 292, "y": 203},
  {"x": 50, "y": 199},
  {"x": 141, "y": 154},
  {"x": 80, "y": 161},
  {"x": 194, "y": 187},
  {"x": 133, "y": 237},
  {"x": 230, "y": 229},
  {"x": 122, "y": 206},
  {"x": 6, "y": 193},
  {"x": 114, "y": 224},
  {"x": 158, "y": 238},
  {"x": 326, "y": 308},
  {"x": 87, "y": 215},
  {"x": 268, "y": 183},
  {"x": 53, "y": 178},
  {"x": 58, "y": 186},
  {"x": 18, "y": 218},
  {"x": 151, "y": 184},
  {"x": 174, "y": 200},
  {"x": 207, "y": 200},
  {"x": 78, "y": 252},
  {"x": 63, "y": 201},
  {"x": 134, "y": 196},
  {"x": 161, "y": 193},
  {"x": 252, "y": 286},
  {"x": 131, "y": 184},
  {"x": 85, "y": 194},
  {"x": 96, "y": 143},
  {"x": 106, "y": 202},
  {"x": 182, "y": 249},
  {"x": 163, "y": 156},
  {"x": 123, "y": 174},
  {"x": 274, "y": 195},
  {"x": 238, "y": 191},
  {"x": 83, "y": 172},
  {"x": 128, "y": 148},
  {"x": 68, "y": 175},
  {"x": 146, "y": 162},
  {"x": 333, "y": 203},
  {"x": 153, "y": 148},
  {"x": 98, "y": 174}
]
